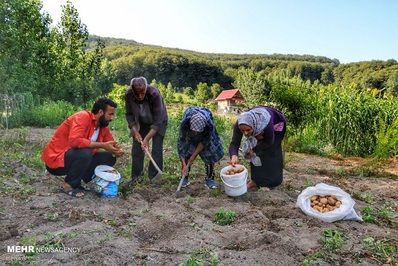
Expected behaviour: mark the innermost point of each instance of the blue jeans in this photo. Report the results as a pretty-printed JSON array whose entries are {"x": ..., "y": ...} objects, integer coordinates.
[{"x": 80, "y": 165}]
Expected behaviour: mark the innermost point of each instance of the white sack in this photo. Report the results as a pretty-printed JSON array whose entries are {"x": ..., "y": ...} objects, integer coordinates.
[{"x": 344, "y": 212}]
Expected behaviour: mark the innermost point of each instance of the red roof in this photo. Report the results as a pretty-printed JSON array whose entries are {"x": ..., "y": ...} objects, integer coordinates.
[{"x": 230, "y": 95}]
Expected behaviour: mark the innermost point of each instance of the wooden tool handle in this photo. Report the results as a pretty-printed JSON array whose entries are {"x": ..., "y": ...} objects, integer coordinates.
[{"x": 152, "y": 160}]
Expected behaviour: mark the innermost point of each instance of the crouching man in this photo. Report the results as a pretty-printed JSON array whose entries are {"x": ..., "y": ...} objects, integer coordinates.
[{"x": 73, "y": 150}]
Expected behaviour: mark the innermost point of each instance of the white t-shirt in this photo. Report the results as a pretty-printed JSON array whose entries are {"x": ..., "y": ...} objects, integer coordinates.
[{"x": 94, "y": 137}]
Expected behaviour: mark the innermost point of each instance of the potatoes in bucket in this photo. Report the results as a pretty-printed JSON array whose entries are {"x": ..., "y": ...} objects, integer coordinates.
[
  {"x": 325, "y": 203},
  {"x": 234, "y": 170}
]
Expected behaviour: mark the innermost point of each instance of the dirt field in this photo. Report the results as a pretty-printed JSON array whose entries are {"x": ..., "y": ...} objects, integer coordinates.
[{"x": 154, "y": 226}]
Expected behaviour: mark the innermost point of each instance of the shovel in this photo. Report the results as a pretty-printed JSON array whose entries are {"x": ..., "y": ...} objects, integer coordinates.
[{"x": 158, "y": 176}]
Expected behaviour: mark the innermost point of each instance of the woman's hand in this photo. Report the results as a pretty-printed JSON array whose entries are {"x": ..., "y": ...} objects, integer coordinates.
[
  {"x": 184, "y": 170},
  {"x": 234, "y": 160},
  {"x": 249, "y": 154}
]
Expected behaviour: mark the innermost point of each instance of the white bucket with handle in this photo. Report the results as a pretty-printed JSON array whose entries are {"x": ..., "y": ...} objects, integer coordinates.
[{"x": 234, "y": 184}]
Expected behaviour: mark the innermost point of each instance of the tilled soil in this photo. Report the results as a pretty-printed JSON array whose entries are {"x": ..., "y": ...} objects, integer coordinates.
[{"x": 154, "y": 225}]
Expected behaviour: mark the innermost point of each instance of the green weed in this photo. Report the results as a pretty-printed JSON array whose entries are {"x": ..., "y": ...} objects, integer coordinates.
[
  {"x": 384, "y": 250},
  {"x": 365, "y": 197},
  {"x": 189, "y": 200},
  {"x": 224, "y": 217},
  {"x": 385, "y": 215},
  {"x": 333, "y": 240}
]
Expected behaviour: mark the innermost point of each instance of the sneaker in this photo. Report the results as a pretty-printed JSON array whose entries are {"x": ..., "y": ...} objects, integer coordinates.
[
  {"x": 185, "y": 182},
  {"x": 211, "y": 184}
]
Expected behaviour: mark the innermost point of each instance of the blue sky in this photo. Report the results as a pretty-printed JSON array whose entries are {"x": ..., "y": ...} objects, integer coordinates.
[{"x": 347, "y": 30}]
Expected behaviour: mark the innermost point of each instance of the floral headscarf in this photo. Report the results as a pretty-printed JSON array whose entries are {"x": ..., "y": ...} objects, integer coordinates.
[{"x": 257, "y": 119}]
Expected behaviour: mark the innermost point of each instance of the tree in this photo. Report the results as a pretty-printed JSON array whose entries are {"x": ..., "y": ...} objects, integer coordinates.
[
  {"x": 25, "y": 41},
  {"x": 82, "y": 75},
  {"x": 169, "y": 93},
  {"x": 215, "y": 90},
  {"x": 203, "y": 93},
  {"x": 254, "y": 86}
]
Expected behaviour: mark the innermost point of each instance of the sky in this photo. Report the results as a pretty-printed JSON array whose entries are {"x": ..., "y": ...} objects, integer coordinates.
[{"x": 347, "y": 30}]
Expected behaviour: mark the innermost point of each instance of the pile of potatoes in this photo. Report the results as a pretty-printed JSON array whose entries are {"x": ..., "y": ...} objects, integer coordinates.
[
  {"x": 325, "y": 203},
  {"x": 234, "y": 170},
  {"x": 111, "y": 171}
]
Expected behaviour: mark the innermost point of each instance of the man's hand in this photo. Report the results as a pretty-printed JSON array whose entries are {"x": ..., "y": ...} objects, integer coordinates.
[
  {"x": 119, "y": 151},
  {"x": 110, "y": 146},
  {"x": 144, "y": 144}
]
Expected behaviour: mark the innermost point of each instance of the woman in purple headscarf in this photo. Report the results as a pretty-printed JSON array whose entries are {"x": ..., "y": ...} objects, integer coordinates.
[
  {"x": 198, "y": 136},
  {"x": 264, "y": 129}
]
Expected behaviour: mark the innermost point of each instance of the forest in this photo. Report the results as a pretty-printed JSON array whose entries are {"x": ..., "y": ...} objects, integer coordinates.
[{"x": 348, "y": 107}]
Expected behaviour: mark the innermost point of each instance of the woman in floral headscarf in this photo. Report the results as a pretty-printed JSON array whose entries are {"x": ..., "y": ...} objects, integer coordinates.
[
  {"x": 264, "y": 129},
  {"x": 198, "y": 136}
]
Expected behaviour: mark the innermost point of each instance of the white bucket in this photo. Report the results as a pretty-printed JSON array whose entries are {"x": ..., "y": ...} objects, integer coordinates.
[{"x": 234, "y": 185}]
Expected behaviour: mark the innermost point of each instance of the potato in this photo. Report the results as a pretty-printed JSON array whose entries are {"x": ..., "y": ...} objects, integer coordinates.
[
  {"x": 331, "y": 201},
  {"x": 324, "y": 204},
  {"x": 323, "y": 200},
  {"x": 313, "y": 198}
]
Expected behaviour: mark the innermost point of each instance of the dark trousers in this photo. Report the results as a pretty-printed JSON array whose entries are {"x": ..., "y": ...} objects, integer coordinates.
[
  {"x": 138, "y": 154},
  {"x": 210, "y": 174},
  {"x": 80, "y": 165},
  {"x": 270, "y": 173}
]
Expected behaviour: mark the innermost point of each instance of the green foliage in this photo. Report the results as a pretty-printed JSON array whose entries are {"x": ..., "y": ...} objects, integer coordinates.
[
  {"x": 50, "y": 114},
  {"x": 117, "y": 95},
  {"x": 295, "y": 99},
  {"x": 224, "y": 217},
  {"x": 201, "y": 254},
  {"x": 347, "y": 116},
  {"x": 253, "y": 85},
  {"x": 384, "y": 250},
  {"x": 192, "y": 262},
  {"x": 386, "y": 139},
  {"x": 365, "y": 197},
  {"x": 50, "y": 62},
  {"x": 385, "y": 215},
  {"x": 333, "y": 240},
  {"x": 203, "y": 93}
]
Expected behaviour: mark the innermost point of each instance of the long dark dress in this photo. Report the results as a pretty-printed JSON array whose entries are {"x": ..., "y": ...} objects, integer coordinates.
[{"x": 268, "y": 149}]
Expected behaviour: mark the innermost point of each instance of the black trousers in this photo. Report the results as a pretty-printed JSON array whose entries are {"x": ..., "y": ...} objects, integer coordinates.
[
  {"x": 80, "y": 165},
  {"x": 138, "y": 154}
]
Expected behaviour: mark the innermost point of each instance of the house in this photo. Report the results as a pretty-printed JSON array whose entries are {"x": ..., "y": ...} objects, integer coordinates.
[{"x": 228, "y": 101}]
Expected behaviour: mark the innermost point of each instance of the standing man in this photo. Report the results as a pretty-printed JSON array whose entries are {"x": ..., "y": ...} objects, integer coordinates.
[
  {"x": 146, "y": 117},
  {"x": 73, "y": 149}
]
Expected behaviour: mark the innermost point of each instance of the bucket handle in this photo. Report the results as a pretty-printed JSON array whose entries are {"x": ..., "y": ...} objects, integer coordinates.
[{"x": 228, "y": 185}]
